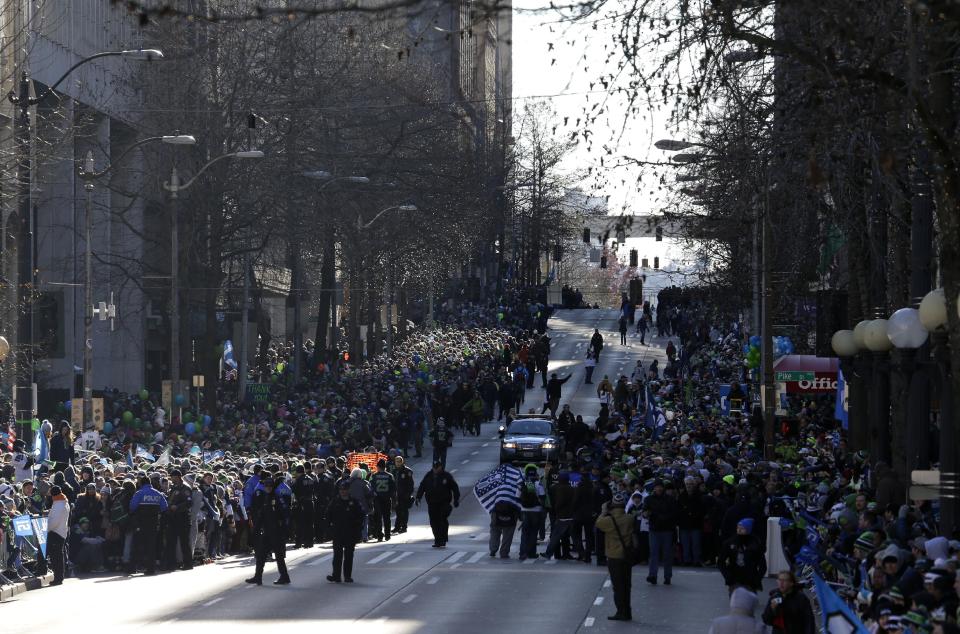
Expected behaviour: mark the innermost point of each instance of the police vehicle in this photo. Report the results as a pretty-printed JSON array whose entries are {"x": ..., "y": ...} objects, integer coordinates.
[{"x": 529, "y": 438}]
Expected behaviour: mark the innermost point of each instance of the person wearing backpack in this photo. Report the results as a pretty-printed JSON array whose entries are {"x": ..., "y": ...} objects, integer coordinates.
[
  {"x": 532, "y": 495},
  {"x": 620, "y": 549}
]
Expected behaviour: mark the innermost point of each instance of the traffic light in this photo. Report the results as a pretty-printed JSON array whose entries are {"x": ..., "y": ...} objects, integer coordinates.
[
  {"x": 656, "y": 262},
  {"x": 557, "y": 253},
  {"x": 633, "y": 257},
  {"x": 636, "y": 291},
  {"x": 659, "y": 234},
  {"x": 586, "y": 235},
  {"x": 645, "y": 263},
  {"x": 603, "y": 261}
]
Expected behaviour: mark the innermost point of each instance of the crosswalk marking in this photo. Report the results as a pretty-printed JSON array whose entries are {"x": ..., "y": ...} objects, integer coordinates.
[
  {"x": 529, "y": 561},
  {"x": 475, "y": 558},
  {"x": 550, "y": 562},
  {"x": 409, "y": 598},
  {"x": 402, "y": 555},
  {"x": 607, "y": 584},
  {"x": 320, "y": 560},
  {"x": 432, "y": 580},
  {"x": 455, "y": 557},
  {"x": 455, "y": 566},
  {"x": 380, "y": 557},
  {"x": 588, "y": 622},
  {"x": 598, "y": 601}
]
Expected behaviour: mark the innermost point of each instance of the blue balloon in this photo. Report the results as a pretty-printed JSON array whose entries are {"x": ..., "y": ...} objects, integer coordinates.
[
  {"x": 107, "y": 427},
  {"x": 746, "y": 348},
  {"x": 66, "y": 404},
  {"x": 179, "y": 400},
  {"x": 206, "y": 420},
  {"x": 755, "y": 341},
  {"x": 190, "y": 428}
]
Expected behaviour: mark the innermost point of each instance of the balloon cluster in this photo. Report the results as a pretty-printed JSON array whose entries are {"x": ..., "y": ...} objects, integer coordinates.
[{"x": 782, "y": 346}]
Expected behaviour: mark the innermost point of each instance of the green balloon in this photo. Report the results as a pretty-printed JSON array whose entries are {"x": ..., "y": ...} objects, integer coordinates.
[
  {"x": 128, "y": 417},
  {"x": 187, "y": 417},
  {"x": 144, "y": 394}
]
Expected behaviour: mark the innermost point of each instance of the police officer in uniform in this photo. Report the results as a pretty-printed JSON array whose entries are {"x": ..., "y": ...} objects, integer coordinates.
[
  {"x": 303, "y": 508},
  {"x": 346, "y": 519},
  {"x": 146, "y": 505},
  {"x": 441, "y": 439},
  {"x": 271, "y": 524},
  {"x": 178, "y": 522},
  {"x": 384, "y": 494},
  {"x": 404, "y": 477},
  {"x": 440, "y": 488},
  {"x": 323, "y": 492}
]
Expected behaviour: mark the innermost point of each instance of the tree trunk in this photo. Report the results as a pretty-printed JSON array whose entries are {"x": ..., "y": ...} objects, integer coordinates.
[{"x": 328, "y": 282}]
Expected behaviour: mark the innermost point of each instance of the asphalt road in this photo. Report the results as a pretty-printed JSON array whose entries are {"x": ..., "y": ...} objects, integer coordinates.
[{"x": 404, "y": 585}]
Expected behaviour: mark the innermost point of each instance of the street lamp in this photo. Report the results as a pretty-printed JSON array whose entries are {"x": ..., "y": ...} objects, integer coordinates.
[
  {"x": 388, "y": 289},
  {"x": 89, "y": 174},
  {"x": 23, "y": 140},
  {"x": 174, "y": 186}
]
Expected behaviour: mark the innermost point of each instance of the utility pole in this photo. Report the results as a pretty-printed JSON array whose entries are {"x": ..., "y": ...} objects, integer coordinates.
[
  {"x": 25, "y": 264},
  {"x": 88, "y": 300},
  {"x": 767, "y": 390},
  {"x": 174, "y": 282}
]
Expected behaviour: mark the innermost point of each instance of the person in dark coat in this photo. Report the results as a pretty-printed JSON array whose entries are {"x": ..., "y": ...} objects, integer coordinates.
[
  {"x": 741, "y": 560},
  {"x": 789, "y": 611},
  {"x": 346, "y": 519},
  {"x": 61, "y": 449},
  {"x": 270, "y": 516},
  {"x": 405, "y": 489},
  {"x": 440, "y": 489},
  {"x": 303, "y": 488}
]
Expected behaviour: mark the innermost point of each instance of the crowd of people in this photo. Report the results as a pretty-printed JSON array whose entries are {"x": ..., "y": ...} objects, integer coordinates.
[{"x": 665, "y": 474}]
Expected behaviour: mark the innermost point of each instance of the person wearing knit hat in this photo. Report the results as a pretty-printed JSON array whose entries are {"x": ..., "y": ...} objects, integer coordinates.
[
  {"x": 866, "y": 542},
  {"x": 741, "y": 560},
  {"x": 619, "y": 549}
]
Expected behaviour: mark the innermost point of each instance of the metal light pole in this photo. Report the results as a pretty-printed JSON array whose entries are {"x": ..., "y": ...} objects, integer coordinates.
[
  {"x": 23, "y": 143},
  {"x": 89, "y": 174},
  {"x": 174, "y": 186}
]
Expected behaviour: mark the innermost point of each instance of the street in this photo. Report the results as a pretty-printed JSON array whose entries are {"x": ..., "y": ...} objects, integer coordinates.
[{"x": 405, "y": 585}]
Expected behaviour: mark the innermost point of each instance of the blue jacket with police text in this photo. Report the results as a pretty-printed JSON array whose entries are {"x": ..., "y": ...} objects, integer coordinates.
[{"x": 147, "y": 496}]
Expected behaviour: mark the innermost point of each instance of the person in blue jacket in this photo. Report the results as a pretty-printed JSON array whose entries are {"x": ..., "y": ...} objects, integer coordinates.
[
  {"x": 270, "y": 518},
  {"x": 250, "y": 486},
  {"x": 146, "y": 505}
]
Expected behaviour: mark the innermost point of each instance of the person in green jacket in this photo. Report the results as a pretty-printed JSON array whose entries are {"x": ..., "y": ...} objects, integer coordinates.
[{"x": 619, "y": 547}]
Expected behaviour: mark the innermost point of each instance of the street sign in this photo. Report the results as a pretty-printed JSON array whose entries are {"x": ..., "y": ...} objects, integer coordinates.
[{"x": 792, "y": 376}]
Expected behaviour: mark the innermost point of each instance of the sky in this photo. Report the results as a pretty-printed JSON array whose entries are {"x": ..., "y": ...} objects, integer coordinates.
[{"x": 563, "y": 75}]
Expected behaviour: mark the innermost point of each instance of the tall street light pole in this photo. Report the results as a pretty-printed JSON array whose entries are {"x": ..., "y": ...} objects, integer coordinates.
[
  {"x": 89, "y": 174},
  {"x": 23, "y": 143},
  {"x": 388, "y": 290},
  {"x": 175, "y": 186}
]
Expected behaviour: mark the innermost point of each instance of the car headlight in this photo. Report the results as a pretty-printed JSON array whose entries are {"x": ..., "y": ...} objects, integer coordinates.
[
  {"x": 549, "y": 445},
  {"x": 509, "y": 445}
]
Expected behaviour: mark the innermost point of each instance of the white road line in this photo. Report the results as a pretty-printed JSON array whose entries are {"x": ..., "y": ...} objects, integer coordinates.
[
  {"x": 453, "y": 470},
  {"x": 212, "y": 601},
  {"x": 455, "y": 566},
  {"x": 402, "y": 555},
  {"x": 465, "y": 461},
  {"x": 473, "y": 453},
  {"x": 598, "y": 601},
  {"x": 409, "y": 598},
  {"x": 530, "y": 561},
  {"x": 475, "y": 558},
  {"x": 320, "y": 560},
  {"x": 380, "y": 557},
  {"x": 432, "y": 581},
  {"x": 550, "y": 562},
  {"x": 457, "y": 556},
  {"x": 588, "y": 622},
  {"x": 486, "y": 444},
  {"x": 607, "y": 584}
]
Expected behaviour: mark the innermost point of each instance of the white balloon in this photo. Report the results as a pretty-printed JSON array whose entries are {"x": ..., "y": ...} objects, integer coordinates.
[
  {"x": 933, "y": 310},
  {"x": 875, "y": 336},
  {"x": 4, "y": 348},
  {"x": 844, "y": 343},
  {"x": 905, "y": 330}
]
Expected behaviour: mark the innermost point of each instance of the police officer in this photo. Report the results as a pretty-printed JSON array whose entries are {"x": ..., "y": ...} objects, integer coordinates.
[
  {"x": 404, "y": 477},
  {"x": 441, "y": 439},
  {"x": 146, "y": 505},
  {"x": 384, "y": 494},
  {"x": 346, "y": 518},
  {"x": 178, "y": 523},
  {"x": 323, "y": 493},
  {"x": 303, "y": 508},
  {"x": 440, "y": 488},
  {"x": 271, "y": 524}
]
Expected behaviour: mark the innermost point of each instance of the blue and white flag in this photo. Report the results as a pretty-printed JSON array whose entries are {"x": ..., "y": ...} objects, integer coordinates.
[
  {"x": 841, "y": 411},
  {"x": 838, "y": 618},
  {"x": 130, "y": 456},
  {"x": 228, "y": 359},
  {"x": 500, "y": 485},
  {"x": 143, "y": 453},
  {"x": 41, "y": 449}
]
